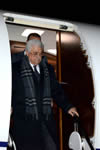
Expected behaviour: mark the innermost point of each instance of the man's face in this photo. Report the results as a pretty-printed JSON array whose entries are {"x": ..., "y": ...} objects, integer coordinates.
[{"x": 35, "y": 55}]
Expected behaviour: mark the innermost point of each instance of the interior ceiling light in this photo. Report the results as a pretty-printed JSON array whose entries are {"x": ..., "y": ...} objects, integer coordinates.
[
  {"x": 52, "y": 51},
  {"x": 28, "y": 31}
]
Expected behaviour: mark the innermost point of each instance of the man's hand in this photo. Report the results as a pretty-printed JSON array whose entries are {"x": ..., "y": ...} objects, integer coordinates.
[{"x": 72, "y": 111}]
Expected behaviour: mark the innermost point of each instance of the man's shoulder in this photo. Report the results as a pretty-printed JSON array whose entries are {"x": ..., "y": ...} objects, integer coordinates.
[
  {"x": 51, "y": 71},
  {"x": 17, "y": 56},
  {"x": 16, "y": 65},
  {"x": 50, "y": 67}
]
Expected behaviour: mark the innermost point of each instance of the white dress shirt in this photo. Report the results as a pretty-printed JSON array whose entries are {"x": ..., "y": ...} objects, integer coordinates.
[{"x": 37, "y": 67}]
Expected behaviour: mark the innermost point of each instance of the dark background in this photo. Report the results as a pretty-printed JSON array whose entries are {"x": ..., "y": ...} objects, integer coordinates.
[{"x": 85, "y": 12}]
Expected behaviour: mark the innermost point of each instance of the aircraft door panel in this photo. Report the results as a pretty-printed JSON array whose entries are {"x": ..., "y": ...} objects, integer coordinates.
[
  {"x": 5, "y": 84},
  {"x": 77, "y": 82}
]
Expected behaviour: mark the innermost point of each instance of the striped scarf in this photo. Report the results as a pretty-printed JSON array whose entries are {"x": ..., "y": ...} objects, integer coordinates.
[{"x": 31, "y": 105}]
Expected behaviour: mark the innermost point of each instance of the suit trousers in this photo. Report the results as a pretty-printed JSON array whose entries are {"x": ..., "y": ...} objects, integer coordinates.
[{"x": 49, "y": 144}]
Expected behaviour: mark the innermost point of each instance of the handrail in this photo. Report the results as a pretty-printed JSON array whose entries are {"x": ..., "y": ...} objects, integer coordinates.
[{"x": 78, "y": 122}]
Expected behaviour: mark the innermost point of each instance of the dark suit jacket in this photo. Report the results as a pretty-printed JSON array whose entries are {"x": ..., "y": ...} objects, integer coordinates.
[{"x": 17, "y": 56}]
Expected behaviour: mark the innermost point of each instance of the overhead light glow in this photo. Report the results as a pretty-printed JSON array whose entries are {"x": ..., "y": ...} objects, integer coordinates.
[
  {"x": 29, "y": 31},
  {"x": 52, "y": 51}
]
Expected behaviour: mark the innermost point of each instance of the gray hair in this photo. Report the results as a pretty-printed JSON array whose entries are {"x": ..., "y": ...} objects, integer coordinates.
[{"x": 33, "y": 42}]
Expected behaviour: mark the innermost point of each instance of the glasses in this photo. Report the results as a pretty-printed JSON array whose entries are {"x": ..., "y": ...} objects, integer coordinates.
[{"x": 35, "y": 54}]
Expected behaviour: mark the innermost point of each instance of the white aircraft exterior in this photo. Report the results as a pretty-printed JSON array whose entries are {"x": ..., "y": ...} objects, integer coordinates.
[{"x": 90, "y": 34}]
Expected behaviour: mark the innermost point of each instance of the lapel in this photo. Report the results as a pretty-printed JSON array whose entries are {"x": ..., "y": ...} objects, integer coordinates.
[{"x": 41, "y": 80}]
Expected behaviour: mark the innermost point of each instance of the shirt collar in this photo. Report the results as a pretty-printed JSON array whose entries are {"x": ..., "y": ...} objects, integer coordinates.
[{"x": 37, "y": 67}]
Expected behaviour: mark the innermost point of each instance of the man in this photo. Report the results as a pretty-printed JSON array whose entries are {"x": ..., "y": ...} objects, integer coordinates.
[
  {"x": 34, "y": 86},
  {"x": 33, "y": 36},
  {"x": 17, "y": 56}
]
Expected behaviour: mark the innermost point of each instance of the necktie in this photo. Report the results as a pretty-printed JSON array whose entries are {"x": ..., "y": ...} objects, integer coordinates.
[{"x": 36, "y": 73}]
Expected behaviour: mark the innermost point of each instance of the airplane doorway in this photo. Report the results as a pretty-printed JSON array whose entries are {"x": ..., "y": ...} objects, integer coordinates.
[{"x": 72, "y": 71}]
